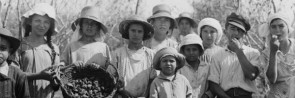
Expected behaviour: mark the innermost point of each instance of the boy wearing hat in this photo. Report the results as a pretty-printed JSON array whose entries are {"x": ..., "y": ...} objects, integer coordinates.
[
  {"x": 196, "y": 68},
  {"x": 134, "y": 60},
  {"x": 13, "y": 81},
  {"x": 186, "y": 25},
  {"x": 162, "y": 22},
  {"x": 233, "y": 74},
  {"x": 169, "y": 84}
]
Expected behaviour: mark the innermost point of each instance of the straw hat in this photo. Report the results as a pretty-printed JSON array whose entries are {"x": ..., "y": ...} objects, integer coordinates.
[
  {"x": 163, "y": 10},
  {"x": 40, "y": 9},
  {"x": 186, "y": 15},
  {"x": 14, "y": 42},
  {"x": 90, "y": 12},
  {"x": 168, "y": 51},
  {"x": 148, "y": 28}
]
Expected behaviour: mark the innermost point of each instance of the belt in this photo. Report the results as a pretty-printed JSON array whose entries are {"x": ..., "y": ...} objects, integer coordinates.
[{"x": 238, "y": 92}]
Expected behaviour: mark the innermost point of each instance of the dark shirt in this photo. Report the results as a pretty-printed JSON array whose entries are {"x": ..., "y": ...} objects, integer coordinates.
[{"x": 15, "y": 85}]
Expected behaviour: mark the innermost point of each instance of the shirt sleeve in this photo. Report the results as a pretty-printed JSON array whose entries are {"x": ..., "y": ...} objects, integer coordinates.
[
  {"x": 189, "y": 91},
  {"x": 214, "y": 72},
  {"x": 22, "y": 87},
  {"x": 255, "y": 58},
  {"x": 153, "y": 90}
]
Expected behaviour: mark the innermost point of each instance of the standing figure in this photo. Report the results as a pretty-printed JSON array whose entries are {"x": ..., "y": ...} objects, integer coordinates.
[
  {"x": 134, "y": 60},
  {"x": 37, "y": 52},
  {"x": 86, "y": 45},
  {"x": 234, "y": 69},
  {"x": 280, "y": 56},
  {"x": 211, "y": 33},
  {"x": 186, "y": 25},
  {"x": 196, "y": 68},
  {"x": 13, "y": 81},
  {"x": 170, "y": 84},
  {"x": 162, "y": 22}
]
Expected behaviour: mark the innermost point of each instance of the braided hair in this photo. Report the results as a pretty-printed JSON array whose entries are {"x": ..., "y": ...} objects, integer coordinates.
[{"x": 48, "y": 34}]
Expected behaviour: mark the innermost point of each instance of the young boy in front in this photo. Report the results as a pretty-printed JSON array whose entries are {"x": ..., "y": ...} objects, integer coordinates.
[
  {"x": 169, "y": 84},
  {"x": 13, "y": 82}
]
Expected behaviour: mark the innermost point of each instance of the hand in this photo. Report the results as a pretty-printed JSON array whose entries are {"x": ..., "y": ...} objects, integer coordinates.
[
  {"x": 235, "y": 44},
  {"x": 204, "y": 96},
  {"x": 47, "y": 73},
  {"x": 274, "y": 43}
]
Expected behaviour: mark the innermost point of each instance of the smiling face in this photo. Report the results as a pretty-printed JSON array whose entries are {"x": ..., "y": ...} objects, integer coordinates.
[
  {"x": 136, "y": 33},
  {"x": 4, "y": 49},
  {"x": 233, "y": 32},
  {"x": 208, "y": 35},
  {"x": 161, "y": 25},
  {"x": 168, "y": 65},
  {"x": 280, "y": 28},
  {"x": 184, "y": 26},
  {"x": 40, "y": 24},
  {"x": 90, "y": 27}
]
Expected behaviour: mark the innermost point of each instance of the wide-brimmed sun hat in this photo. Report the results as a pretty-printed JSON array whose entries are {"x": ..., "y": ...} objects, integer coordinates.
[
  {"x": 191, "y": 39},
  {"x": 124, "y": 26},
  {"x": 14, "y": 42},
  {"x": 213, "y": 23},
  {"x": 186, "y": 15},
  {"x": 163, "y": 10},
  {"x": 90, "y": 12},
  {"x": 168, "y": 51},
  {"x": 40, "y": 9}
]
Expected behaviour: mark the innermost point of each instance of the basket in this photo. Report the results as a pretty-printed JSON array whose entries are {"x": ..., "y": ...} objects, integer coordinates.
[{"x": 89, "y": 81}]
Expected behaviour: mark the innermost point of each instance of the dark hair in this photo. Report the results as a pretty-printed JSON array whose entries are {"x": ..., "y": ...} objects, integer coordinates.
[
  {"x": 48, "y": 34},
  {"x": 146, "y": 34}
]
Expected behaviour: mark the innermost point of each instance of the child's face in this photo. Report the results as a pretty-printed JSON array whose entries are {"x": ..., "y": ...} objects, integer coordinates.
[
  {"x": 161, "y": 25},
  {"x": 90, "y": 27},
  {"x": 168, "y": 65},
  {"x": 191, "y": 52},
  {"x": 280, "y": 28},
  {"x": 4, "y": 49},
  {"x": 40, "y": 24},
  {"x": 136, "y": 33}
]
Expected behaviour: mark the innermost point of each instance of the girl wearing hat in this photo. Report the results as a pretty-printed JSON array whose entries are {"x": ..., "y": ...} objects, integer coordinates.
[
  {"x": 196, "y": 68},
  {"x": 37, "y": 52},
  {"x": 134, "y": 60},
  {"x": 13, "y": 81},
  {"x": 169, "y": 84},
  {"x": 211, "y": 33},
  {"x": 280, "y": 56},
  {"x": 186, "y": 25},
  {"x": 162, "y": 22},
  {"x": 86, "y": 45}
]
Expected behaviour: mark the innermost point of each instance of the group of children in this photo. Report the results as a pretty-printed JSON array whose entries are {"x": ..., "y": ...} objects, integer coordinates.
[{"x": 151, "y": 64}]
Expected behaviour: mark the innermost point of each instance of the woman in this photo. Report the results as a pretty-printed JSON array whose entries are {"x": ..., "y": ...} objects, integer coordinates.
[
  {"x": 86, "y": 46},
  {"x": 210, "y": 31},
  {"x": 37, "y": 52},
  {"x": 279, "y": 55},
  {"x": 134, "y": 60}
]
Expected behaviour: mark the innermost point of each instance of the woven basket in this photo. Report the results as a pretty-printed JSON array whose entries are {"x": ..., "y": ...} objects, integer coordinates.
[{"x": 89, "y": 81}]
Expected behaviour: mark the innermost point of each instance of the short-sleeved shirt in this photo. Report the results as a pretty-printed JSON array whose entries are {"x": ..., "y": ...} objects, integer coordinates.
[
  {"x": 135, "y": 66},
  {"x": 176, "y": 86},
  {"x": 226, "y": 69},
  {"x": 285, "y": 70},
  {"x": 14, "y": 85},
  {"x": 96, "y": 52},
  {"x": 155, "y": 45}
]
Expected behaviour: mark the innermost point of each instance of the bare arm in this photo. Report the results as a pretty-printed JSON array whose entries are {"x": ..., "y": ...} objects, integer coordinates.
[
  {"x": 250, "y": 71},
  {"x": 216, "y": 89},
  {"x": 271, "y": 72}
]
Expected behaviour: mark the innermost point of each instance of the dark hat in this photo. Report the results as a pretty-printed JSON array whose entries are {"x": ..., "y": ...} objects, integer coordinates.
[
  {"x": 148, "y": 28},
  {"x": 90, "y": 12},
  {"x": 163, "y": 10},
  {"x": 14, "y": 42},
  {"x": 186, "y": 15},
  {"x": 238, "y": 21}
]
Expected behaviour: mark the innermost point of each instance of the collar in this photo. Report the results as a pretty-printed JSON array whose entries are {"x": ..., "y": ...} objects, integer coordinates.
[{"x": 168, "y": 78}]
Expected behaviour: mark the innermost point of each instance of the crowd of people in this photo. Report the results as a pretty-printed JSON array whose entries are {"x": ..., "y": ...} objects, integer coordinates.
[{"x": 152, "y": 64}]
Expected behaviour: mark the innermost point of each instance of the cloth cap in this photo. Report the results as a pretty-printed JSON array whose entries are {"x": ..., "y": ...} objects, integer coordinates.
[
  {"x": 171, "y": 52},
  {"x": 213, "y": 23}
]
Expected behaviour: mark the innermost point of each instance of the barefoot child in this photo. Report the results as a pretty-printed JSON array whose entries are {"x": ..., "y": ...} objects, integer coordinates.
[
  {"x": 169, "y": 84},
  {"x": 13, "y": 82}
]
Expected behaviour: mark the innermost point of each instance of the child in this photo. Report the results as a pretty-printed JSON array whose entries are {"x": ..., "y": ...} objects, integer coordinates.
[
  {"x": 13, "y": 81},
  {"x": 169, "y": 84}
]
